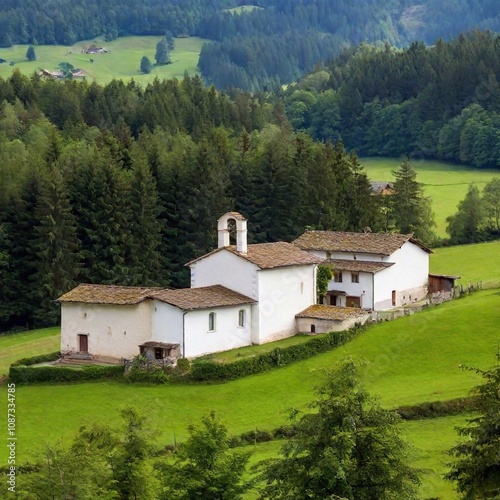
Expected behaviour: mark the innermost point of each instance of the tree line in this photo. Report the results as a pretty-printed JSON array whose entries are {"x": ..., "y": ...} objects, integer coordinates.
[
  {"x": 255, "y": 50},
  {"x": 440, "y": 102},
  {"x": 117, "y": 184}
]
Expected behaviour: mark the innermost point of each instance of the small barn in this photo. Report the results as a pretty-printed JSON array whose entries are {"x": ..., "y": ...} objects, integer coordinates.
[{"x": 442, "y": 283}]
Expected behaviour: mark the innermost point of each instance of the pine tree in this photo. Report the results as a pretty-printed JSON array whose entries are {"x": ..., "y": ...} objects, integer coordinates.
[
  {"x": 30, "y": 53},
  {"x": 411, "y": 210},
  {"x": 57, "y": 249}
]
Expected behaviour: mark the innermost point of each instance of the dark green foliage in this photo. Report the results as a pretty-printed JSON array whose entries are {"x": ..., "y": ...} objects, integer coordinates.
[
  {"x": 162, "y": 54},
  {"x": 30, "y": 53},
  {"x": 210, "y": 371},
  {"x": 42, "y": 358},
  {"x": 411, "y": 210},
  {"x": 476, "y": 465},
  {"x": 204, "y": 466},
  {"x": 28, "y": 375},
  {"x": 143, "y": 369},
  {"x": 347, "y": 447},
  {"x": 467, "y": 224},
  {"x": 146, "y": 65},
  {"x": 436, "y": 409}
]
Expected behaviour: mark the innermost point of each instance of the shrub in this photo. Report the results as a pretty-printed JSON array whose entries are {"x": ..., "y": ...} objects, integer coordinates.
[
  {"x": 41, "y": 358},
  {"x": 26, "y": 374},
  {"x": 437, "y": 408},
  {"x": 143, "y": 369},
  {"x": 183, "y": 365},
  {"x": 207, "y": 370}
]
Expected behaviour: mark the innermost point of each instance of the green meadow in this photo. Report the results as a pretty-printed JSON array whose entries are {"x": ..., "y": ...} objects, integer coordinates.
[
  {"x": 122, "y": 62},
  {"x": 413, "y": 359},
  {"x": 445, "y": 183}
]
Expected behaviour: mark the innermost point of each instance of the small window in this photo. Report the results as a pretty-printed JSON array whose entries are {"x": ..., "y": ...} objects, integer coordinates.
[
  {"x": 211, "y": 322},
  {"x": 337, "y": 277},
  {"x": 355, "y": 277},
  {"x": 158, "y": 353},
  {"x": 241, "y": 317}
]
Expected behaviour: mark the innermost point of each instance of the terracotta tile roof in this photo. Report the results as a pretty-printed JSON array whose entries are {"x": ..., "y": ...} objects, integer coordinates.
[
  {"x": 107, "y": 294},
  {"x": 358, "y": 266},
  {"x": 270, "y": 255},
  {"x": 334, "y": 241},
  {"x": 202, "y": 298},
  {"x": 331, "y": 313},
  {"x": 163, "y": 345}
]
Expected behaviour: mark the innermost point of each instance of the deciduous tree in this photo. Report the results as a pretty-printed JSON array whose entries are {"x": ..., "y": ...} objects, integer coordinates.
[
  {"x": 347, "y": 447},
  {"x": 476, "y": 465}
]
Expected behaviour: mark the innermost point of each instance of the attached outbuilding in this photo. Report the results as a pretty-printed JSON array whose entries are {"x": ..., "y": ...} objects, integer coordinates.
[{"x": 324, "y": 318}]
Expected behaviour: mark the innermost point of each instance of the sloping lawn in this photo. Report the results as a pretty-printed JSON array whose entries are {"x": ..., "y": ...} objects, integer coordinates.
[
  {"x": 414, "y": 359},
  {"x": 14, "y": 346},
  {"x": 474, "y": 263}
]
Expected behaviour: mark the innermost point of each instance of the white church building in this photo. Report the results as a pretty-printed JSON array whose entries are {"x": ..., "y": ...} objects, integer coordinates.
[{"x": 246, "y": 294}]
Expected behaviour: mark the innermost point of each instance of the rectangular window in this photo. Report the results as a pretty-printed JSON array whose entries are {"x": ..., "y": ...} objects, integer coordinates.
[
  {"x": 241, "y": 317},
  {"x": 337, "y": 277},
  {"x": 354, "y": 277},
  {"x": 211, "y": 322}
]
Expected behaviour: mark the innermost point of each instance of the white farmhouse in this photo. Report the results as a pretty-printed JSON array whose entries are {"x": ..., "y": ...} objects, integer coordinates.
[
  {"x": 240, "y": 295},
  {"x": 375, "y": 271}
]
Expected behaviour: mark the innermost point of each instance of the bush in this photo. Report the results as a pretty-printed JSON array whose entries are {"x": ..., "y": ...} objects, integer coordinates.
[
  {"x": 437, "y": 408},
  {"x": 27, "y": 375},
  {"x": 183, "y": 365},
  {"x": 143, "y": 369},
  {"x": 210, "y": 371},
  {"x": 42, "y": 358}
]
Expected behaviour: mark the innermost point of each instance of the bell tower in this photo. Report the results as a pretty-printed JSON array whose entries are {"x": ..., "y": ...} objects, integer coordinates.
[{"x": 241, "y": 231}]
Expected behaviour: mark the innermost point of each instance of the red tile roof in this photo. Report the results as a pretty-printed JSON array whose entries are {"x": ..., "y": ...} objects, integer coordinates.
[
  {"x": 107, "y": 294},
  {"x": 332, "y": 313},
  {"x": 358, "y": 266}
]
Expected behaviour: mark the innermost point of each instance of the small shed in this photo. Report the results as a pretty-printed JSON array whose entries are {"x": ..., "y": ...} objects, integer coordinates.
[
  {"x": 441, "y": 283},
  {"x": 159, "y": 350},
  {"x": 323, "y": 318}
]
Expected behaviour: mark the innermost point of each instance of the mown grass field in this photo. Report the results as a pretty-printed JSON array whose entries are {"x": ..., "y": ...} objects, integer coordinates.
[
  {"x": 445, "y": 183},
  {"x": 122, "y": 62},
  {"x": 414, "y": 359},
  {"x": 474, "y": 263},
  {"x": 25, "y": 344}
]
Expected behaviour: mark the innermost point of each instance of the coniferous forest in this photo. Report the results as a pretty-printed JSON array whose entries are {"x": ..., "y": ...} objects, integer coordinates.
[
  {"x": 123, "y": 185},
  {"x": 260, "y": 50}
]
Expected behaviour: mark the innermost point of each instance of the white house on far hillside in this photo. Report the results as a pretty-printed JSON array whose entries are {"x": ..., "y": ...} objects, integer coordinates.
[{"x": 375, "y": 271}]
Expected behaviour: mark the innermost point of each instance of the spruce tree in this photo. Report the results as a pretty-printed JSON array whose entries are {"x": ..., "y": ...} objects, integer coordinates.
[
  {"x": 57, "y": 249},
  {"x": 162, "y": 55},
  {"x": 30, "y": 53},
  {"x": 411, "y": 209},
  {"x": 146, "y": 65}
]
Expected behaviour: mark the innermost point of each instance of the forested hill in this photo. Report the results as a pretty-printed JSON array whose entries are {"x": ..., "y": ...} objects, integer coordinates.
[
  {"x": 431, "y": 102},
  {"x": 262, "y": 48}
]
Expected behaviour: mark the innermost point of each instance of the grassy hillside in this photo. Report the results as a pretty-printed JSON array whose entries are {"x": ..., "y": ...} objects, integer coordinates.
[
  {"x": 473, "y": 263},
  {"x": 445, "y": 183},
  {"x": 25, "y": 344},
  {"x": 122, "y": 62},
  {"x": 431, "y": 440},
  {"x": 414, "y": 359}
]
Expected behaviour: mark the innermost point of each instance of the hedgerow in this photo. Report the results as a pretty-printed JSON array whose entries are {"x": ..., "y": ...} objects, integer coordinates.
[
  {"x": 28, "y": 375},
  {"x": 281, "y": 356},
  {"x": 41, "y": 358}
]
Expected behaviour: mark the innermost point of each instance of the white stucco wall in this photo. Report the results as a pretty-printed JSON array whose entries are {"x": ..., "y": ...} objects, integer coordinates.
[
  {"x": 225, "y": 268},
  {"x": 166, "y": 323},
  {"x": 227, "y": 334},
  {"x": 283, "y": 293},
  {"x": 114, "y": 331},
  {"x": 408, "y": 277},
  {"x": 363, "y": 289},
  {"x": 325, "y": 326}
]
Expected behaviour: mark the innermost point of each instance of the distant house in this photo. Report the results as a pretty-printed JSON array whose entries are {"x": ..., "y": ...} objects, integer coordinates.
[
  {"x": 60, "y": 75},
  {"x": 93, "y": 49},
  {"x": 382, "y": 188},
  {"x": 374, "y": 271}
]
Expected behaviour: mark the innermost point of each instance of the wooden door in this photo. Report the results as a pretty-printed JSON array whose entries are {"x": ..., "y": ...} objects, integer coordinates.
[
  {"x": 353, "y": 301},
  {"x": 83, "y": 343},
  {"x": 394, "y": 297}
]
